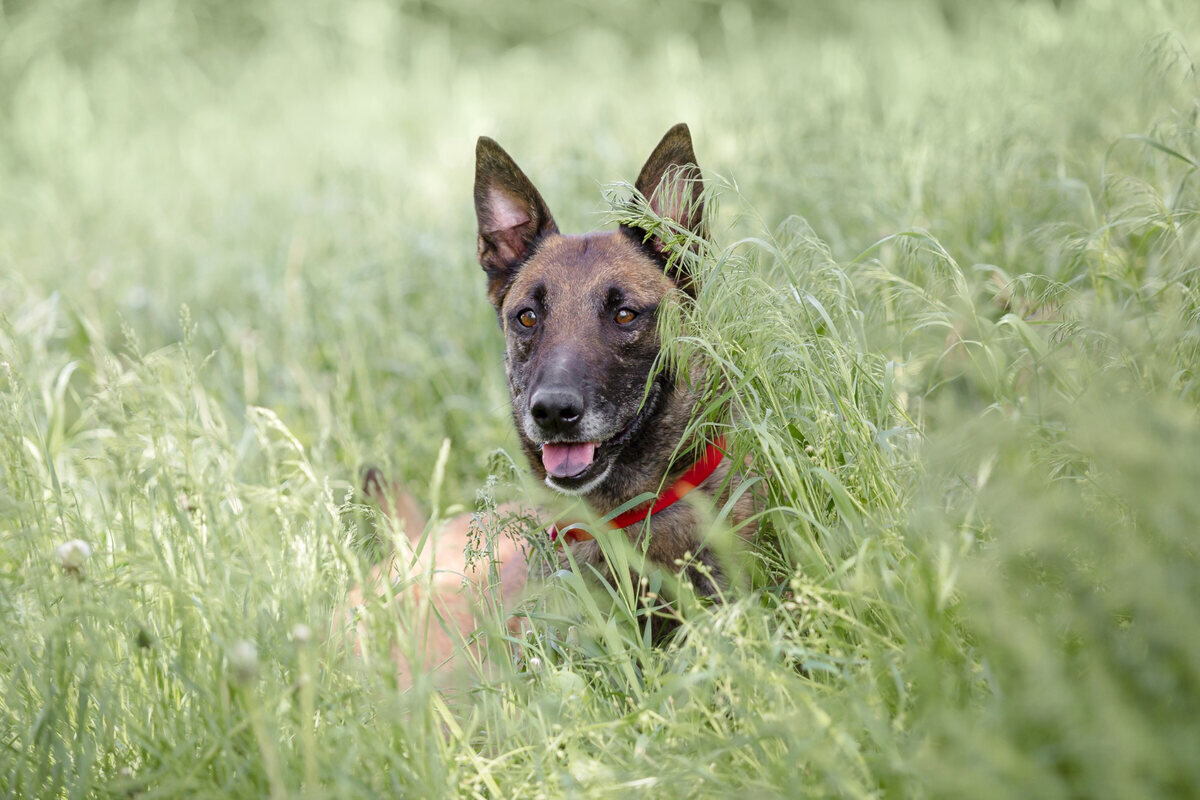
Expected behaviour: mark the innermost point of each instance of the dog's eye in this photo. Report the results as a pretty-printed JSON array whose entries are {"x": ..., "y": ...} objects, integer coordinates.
[
  {"x": 528, "y": 318},
  {"x": 625, "y": 316}
]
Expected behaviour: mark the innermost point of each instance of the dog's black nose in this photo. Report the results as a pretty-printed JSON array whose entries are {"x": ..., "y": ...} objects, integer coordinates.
[{"x": 556, "y": 410}]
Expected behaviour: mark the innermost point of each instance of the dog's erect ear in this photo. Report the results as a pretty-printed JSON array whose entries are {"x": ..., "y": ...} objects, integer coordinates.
[
  {"x": 511, "y": 214},
  {"x": 671, "y": 181}
]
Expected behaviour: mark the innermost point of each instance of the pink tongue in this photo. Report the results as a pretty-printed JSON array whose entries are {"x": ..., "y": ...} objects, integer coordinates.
[{"x": 563, "y": 460}]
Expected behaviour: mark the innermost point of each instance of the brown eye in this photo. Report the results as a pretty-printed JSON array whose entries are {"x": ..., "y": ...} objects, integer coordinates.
[
  {"x": 625, "y": 316},
  {"x": 527, "y": 318}
]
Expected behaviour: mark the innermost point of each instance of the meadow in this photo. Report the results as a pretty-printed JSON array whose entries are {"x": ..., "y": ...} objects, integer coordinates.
[{"x": 953, "y": 289}]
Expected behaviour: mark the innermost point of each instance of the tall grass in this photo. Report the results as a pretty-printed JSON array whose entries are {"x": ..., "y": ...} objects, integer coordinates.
[{"x": 951, "y": 294}]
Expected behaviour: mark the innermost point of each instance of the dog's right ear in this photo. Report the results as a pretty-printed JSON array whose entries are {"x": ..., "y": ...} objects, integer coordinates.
[{"x": 511, "y": 215}]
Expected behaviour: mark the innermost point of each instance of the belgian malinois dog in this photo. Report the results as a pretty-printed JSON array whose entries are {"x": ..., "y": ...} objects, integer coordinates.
[
  {"x": 595, "y": 417},
  {"x": 579, "y": 316}
]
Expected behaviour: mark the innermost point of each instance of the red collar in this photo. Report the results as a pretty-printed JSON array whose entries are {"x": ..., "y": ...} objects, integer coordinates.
[{"x": 699, "y": 472}]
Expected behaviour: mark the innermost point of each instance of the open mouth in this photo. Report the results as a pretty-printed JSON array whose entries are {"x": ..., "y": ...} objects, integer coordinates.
[
  {"x": 568, "y": 459},
  {"x": 572, "y": 464}
]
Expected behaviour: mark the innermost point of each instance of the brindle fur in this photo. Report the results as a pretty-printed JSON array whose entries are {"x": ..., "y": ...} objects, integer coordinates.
[{"x": 575, "y": 284}]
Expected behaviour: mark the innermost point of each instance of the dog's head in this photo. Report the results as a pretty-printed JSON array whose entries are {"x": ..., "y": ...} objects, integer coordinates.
[{"x": 579, "y": 311}]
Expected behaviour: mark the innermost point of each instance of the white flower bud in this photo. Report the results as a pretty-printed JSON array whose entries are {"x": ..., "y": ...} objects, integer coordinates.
[
  {"x": 243, "y": 659},
  {"x": 301, "y": 633},
  {"x": 73, "y": 554}
]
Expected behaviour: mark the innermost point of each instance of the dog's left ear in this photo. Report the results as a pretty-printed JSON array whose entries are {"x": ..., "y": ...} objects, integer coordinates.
[
  {"x": 512, "y": 216},
  {"x": 671, "y": 182}
]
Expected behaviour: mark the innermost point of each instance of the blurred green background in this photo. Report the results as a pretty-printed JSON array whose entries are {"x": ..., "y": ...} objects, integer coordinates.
[
  {"x": 237, "y": 263},
  {"x": 296, "y": 170}
]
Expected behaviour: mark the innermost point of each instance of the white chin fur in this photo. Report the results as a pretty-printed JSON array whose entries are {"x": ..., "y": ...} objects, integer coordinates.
[{"x": 584, "y": 489}]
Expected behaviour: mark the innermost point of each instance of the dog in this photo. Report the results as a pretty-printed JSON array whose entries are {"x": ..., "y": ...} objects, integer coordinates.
[
  {"x": 579, "y": 317},
  {"x": 595, "y": 416}
]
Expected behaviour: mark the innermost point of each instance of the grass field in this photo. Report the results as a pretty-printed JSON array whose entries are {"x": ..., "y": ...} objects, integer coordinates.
[{"x": 954, "y": 283}]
